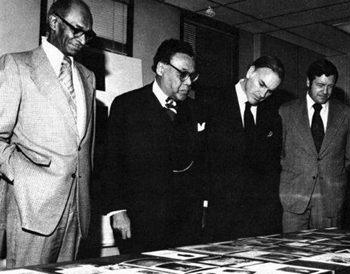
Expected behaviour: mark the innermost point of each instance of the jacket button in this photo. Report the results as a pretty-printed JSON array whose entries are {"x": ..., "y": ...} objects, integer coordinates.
[
  {"x": 314, "y": 177},
  {"x": 73, "y": 175},
  {"x": 79, "y": 148},
  {"x": 319, "y": 159}
]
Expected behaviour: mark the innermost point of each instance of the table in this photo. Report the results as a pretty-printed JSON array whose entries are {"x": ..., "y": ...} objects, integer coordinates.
[{"x": 325, "y": 251}]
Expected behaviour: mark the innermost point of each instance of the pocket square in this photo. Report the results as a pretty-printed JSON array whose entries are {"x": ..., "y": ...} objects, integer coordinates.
[
  {"x": 200, "y": 126},
  {"x": 270, "y": 134}
]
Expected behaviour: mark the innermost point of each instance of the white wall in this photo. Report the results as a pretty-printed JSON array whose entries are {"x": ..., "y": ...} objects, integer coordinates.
[
  {"x": 123, "y": 74},
  {"x": 19, "y": 25}
]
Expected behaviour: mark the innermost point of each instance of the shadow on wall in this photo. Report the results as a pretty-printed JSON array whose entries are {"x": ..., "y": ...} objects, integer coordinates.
[
  {"x": 92, "y": 246},
  {"x": 94, "y": 60}
]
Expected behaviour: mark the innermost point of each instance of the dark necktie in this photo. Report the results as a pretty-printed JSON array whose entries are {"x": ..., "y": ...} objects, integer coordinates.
[
  {"x": 317, "y": 128},
  {"x": 171, "y": 107},
  {"x": 66, "y": 79},
  {"x": 249, "y": 124}
]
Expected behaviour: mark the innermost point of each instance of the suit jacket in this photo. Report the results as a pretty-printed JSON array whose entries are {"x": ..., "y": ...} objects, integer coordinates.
[
  {"x": 41, "y": 150},
  {"x": 243, "y": 178},
  {"x": 233, "y": 169},
  {"x": 140, "y": 162},
  {"x": 302, "y": 165}
]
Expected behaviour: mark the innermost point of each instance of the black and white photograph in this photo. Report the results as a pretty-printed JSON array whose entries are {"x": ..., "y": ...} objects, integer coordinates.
[{"x": 169, "y": 136}]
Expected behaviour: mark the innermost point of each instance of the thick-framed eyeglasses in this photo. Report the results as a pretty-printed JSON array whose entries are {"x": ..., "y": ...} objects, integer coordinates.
[
  {"x": 183, "y": 75},
  {"x": 89, "y": 34}
]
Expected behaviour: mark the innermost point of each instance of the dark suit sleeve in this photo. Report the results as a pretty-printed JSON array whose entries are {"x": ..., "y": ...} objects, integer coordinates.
[
  {"x": 276, "y": 146},
  {"x": 211, "y": 104},
  {"x": 112, "y": 175}
]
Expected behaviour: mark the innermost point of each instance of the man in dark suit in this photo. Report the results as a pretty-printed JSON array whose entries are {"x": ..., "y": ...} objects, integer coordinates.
[
  {"x": 315, "y": 153},
  {"x": 244, "y": 140},
  {"x": 150, "y": 171},
  {"x": 47, "y": 130}
]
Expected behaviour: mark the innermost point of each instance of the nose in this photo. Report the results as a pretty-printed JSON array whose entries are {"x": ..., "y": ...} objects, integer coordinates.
[
  {"x": 188, "y": 81},
  {"x": 263, "y": 92},
  {"x": 82, "y": 39},
  {"x": 327, "y": 89}
]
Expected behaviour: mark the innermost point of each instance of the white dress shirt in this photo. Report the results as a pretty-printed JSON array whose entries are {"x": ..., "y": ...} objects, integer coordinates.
[
  {"x": 161, "y": 96},
  {"x": 55, "y": 57},
  {"x": 242, "y": 99}
]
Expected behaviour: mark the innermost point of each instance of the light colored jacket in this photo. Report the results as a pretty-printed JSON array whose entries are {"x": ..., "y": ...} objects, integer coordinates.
[{"x": 40, "y": 148}]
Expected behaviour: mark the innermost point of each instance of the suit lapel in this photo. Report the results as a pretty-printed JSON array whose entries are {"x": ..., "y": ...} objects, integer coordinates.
[
  {"x": 301, "y": 122},
  {"x": 233, "y": 116},
  {"x": 335, "y": 119},
  {"x": 187, "y": 110},
  {"x": 88, "y": 91},
  {"x": 48, "y": 84},
  {"x": 153, "y": 108},
  {"x": 159, "y": 117},
  {"x": 264, "y": 114}
]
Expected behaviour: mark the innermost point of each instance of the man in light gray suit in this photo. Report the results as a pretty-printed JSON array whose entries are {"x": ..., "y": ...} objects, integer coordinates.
[
  {"x": 47, "y": 111},
  {"x": 315, "y": 153}
]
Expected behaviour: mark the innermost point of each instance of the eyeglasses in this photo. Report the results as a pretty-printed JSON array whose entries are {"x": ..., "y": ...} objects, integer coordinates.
[
  {"x": 89, "y": 34},
  {"x": 183, "y": 75}
]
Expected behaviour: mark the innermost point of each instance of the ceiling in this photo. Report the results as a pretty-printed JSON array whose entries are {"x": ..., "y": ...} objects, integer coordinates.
[{"x": 307, "y": 23}]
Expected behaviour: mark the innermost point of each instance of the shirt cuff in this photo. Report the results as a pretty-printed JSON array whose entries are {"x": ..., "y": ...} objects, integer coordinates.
[{"x": 114, "y": 212}]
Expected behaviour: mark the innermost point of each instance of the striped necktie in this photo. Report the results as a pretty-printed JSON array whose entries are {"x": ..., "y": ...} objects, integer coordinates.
[
  {"x": 66, "y": 80},
  {"x": 171, "y": 107}
]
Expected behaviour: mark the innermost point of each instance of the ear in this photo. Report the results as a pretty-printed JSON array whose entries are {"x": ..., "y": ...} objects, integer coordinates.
[
  {"x": 307, "y": 82},
  {"x": 250, "y": 71},
  {"x": 53, "y": 22},
  {"x": 160, "y": 68}
]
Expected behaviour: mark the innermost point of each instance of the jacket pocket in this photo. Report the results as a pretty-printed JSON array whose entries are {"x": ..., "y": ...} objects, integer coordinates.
[{"x": 34, "y": 157}]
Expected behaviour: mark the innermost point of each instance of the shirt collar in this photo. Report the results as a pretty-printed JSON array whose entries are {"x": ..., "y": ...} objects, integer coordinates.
[
  {"x": 54, "y": 55},
  {"x": 241, "y": 95},
  {"x": 161, "y": 96}
]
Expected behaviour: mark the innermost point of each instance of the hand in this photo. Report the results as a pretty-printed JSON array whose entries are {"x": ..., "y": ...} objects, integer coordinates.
[{"x": 121, "y": 222}]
